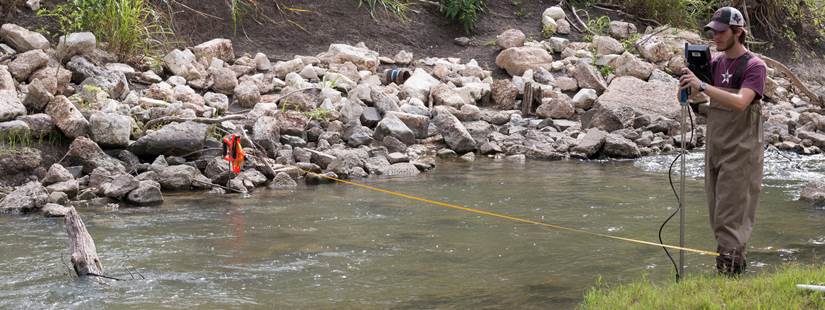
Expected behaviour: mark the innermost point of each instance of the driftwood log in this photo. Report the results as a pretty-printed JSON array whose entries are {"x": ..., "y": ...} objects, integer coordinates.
[{"x": 81, "y": 247}]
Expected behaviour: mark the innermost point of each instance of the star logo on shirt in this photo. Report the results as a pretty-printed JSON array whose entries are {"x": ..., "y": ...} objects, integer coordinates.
[{"x": 726, "y": 77}]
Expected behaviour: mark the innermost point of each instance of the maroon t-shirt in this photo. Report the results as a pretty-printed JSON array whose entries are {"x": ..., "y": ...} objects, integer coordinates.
[{"x": 753, "y": 77}]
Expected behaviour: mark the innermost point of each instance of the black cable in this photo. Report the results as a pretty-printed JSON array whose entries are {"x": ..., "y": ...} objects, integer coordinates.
[{"x": 678, "y": 199}]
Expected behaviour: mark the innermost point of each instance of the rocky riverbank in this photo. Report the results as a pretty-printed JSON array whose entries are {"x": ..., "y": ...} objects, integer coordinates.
[{"x": 131, "y": 133}]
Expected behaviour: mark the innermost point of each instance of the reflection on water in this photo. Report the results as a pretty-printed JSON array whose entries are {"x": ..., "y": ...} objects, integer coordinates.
[{"x": 344, "y": 247}]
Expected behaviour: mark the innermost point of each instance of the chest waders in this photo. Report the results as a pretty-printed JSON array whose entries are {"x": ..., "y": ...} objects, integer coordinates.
[{"x": 733, "y": 174}]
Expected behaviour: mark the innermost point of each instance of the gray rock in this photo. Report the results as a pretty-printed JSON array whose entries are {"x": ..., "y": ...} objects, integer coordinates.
[
  {"x": 392, "y": 126},
  {"x": 292, "y": 123},
  {"x": 813, "y": 192},
  {"x": 10, "y": 105},
  {"x": 630, "y": 65},
  {"x": 489, "y": 148},
  {"x": 585, "y": 98},
  {"x": 610, "y": 118},
  {"x": 69, "y": 187},
  {"x": 393, "y": 144},
  {"x": 172, "y": 139},
  {"x": 25, "y": 198},
  {"x": 58, "y": 198},
  {"x": 516, "y": 60},
  {"x": 247, "y": 94},
  {"x": 417, "y": 123},
  {"x": 419, "y": 85},
  {"x": 817, "y": 139},
  {"x": 397, "y": 157},
  {"x": 178, "y": 177},
  {"x": 254, "y": 176},
  {"x": 557, "y": 108},
  {"x": 57, "y": 173},
  {"x": 40, "y": 125},
  {"x": 605, "y": 45},
  {"x": 225, "y": 81},
  {"x": 110, "y": 129},
  {"x": 401, "y": 170},
  {"x": 216, "y": 48},
  {"x": 446, "y": 153},
  {"x": 14, "y": 128},
  {"x": 588, "y": 77},
  {"x": 385, "y": 103},
  {"x": 27, "y": 63},
  {"x": 147, "y": 193},
  {"x": 54, "y": 210},
  {"x": 654, "y": 97},
  {"x": 120, "y": 186},
  {"x": 362, "y": 57},
  {"x": 38, "y": 97},
  {"x": 67, "y": 117},
  {"x": 376, "y": 165},
  {"x": 79, "y": 43},
  {"x": 218, "y": 101},
  {"x": 510, "y": 38},
  {"x": 183, "y": 63},
  {"x": 85, "y": 151},
  {"x": 455, "y": 134},
  {"x": 470, "y": 157},
  {"x": 619, "y": 146},
  {"x": 351, "y": 110},
  {"x": 622, "y": 30},
  {"x": 282, "y": 181},
  {"x": 358, "y": 135},
  {"x": 479, "y": 130},
  {"x": 590, "y": 143},
  {"x": 267, "y": 133},
  {"x": 23, "y": 160},
  {"x": 21, "y": 39}
]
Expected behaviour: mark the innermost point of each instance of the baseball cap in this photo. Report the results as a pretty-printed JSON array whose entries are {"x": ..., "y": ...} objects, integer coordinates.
[{"x": 724, "y": 18}]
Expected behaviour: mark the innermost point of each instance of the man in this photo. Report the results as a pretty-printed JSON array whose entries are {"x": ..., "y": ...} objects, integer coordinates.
[{"x": 734, "y": 146}]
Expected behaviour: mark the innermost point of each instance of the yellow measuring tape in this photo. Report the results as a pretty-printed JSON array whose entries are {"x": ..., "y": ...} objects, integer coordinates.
[{"x": 508, "y": 217}]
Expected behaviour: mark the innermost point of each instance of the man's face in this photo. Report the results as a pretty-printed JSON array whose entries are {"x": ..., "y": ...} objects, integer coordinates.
[{"x": 724, "y": 39}]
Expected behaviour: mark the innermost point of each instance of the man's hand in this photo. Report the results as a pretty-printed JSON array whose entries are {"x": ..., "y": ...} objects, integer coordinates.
[{"x": 688, "y": 79}]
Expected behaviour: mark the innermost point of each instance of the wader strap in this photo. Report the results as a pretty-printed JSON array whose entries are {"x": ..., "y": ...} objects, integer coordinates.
[{"x": 740, "y": 70}]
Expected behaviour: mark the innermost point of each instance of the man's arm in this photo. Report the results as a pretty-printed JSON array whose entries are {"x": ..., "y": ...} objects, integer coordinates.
[{"x": 736, "y": 101}]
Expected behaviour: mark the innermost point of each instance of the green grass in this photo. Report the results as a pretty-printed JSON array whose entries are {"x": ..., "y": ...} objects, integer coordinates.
[
  {"x": 770, "y": 290},
  {"x": 132, "y": 29},
  {"x": 398, "y": 8}
]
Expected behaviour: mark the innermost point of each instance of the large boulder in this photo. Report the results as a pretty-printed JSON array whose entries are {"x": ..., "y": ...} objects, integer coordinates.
[
  {"x": 510, "y": 38},
  {"x": 67, "y": 117},
  {"x": 516, "y": 60},
  {"x": 10, "y": 105},
  {"x": 588, "y": 77},
  {"x": 215, "y": 48},
  {"x": 447, "y": 94},
  {"x": 57, "y": 173},
  {"x": 29, "y": 197},
  {"x": 27, "y": 63},
  {"x": 455, "y": 134},
  {"x": 6, "y": 80},
  {"x": 110, "y": 129},
  {"x": 585, "y": 98},
  {"x": 120, "y": 185},
  {"x": 401, "y": 170},
  {"x": 504, "y": 94},
  {"x": 21, "y": 39},
  {"x": 40, "y": 125},
  {"x": 392, "y": 126},
  {"x": 91, "y": 156},
  {"x": 266, "y": 133},
  {"x": 654, "y": 98},
  {"x": 173, "y": 139}
]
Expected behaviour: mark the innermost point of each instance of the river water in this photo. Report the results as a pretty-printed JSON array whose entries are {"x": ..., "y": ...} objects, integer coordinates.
[{"x": 339, "y": 246}]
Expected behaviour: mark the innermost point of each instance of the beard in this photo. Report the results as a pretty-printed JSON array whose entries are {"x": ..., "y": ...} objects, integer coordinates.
[{"x": 727, "y": 45}]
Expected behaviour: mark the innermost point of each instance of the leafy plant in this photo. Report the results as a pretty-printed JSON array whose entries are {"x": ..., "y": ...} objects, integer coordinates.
[
  {"x": 132, "y": 29},
  {"x": 465, "y": 12},
  {"x": 599, "y": 25}
]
